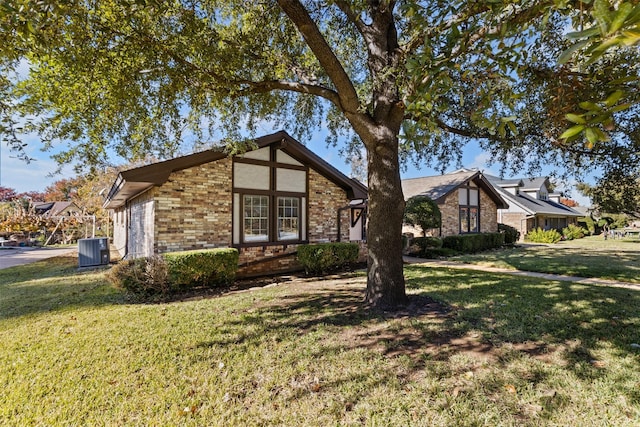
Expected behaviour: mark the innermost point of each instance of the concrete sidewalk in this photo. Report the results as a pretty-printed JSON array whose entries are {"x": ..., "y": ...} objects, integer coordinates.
[
  {"x": 545, "y": 276},
  {"x": 10, "y": 257}
]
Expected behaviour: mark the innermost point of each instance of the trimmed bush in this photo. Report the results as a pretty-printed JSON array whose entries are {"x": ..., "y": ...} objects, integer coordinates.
[
  {"x": 428, "y": 242},
  {"x": 171, "y": 272},
  {"x": 471, "y": 243},
  {"x": 543, "y": 236},
  {"x": 211, "y": 267},
  {"x": 435, "y": 253},
  {"x": 573, "y": 232},
  {"x": 146, "y": 276},
  {"x": 322, "y": 258},
  {"x": 511, "y": 234}
]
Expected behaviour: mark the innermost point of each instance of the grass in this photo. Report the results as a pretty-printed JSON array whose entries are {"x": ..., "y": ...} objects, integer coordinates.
[
  {"x": 588, "y": 257},
  {"x": 492, "y": 350}
]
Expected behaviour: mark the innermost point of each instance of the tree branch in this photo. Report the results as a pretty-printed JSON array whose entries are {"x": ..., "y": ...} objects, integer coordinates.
[
  {"x": 347, "y": 94},
  {"x": 309, "y": 89},
  {"x": 351, "y": 15}
]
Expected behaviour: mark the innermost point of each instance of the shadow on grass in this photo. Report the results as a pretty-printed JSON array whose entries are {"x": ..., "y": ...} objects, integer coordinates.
[
  {"x": 497, "y": 319},
  {"x": 608, "y": 263},
  {"x": 54, "y": 284},
  {"x": 507, "y": 309}
]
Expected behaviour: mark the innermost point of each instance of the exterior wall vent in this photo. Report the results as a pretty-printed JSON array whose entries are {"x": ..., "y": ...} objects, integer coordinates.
[{"x": 93, "y": 252}]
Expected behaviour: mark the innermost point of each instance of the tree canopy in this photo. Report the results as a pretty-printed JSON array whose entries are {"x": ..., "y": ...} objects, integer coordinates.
[
  {"x": 409, "y": 80},
  {"x": 423, "y": 212}
]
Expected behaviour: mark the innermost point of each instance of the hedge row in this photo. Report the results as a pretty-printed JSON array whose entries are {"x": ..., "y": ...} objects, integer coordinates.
[
  {"x": 326, "y": 257},
  {"x": 471, "y": 243},
  {"x": 176, "y": 271}
]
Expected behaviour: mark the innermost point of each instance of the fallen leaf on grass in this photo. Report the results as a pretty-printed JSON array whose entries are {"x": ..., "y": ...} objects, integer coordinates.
[
  {"x": 510, "y": 388},
  {"x": 315, "y": 385},
  {"x": 531, "y": 410},
  {"x": 189, "y": 410},
  {"x": 598, "y": 364}
]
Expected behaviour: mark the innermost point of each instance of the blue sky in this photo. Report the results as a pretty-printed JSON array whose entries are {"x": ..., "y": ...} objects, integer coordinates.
[{"x": 36, "y": 176}]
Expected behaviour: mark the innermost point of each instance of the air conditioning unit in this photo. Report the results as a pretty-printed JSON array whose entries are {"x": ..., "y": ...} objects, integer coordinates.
[{"x": 93, "y": 252}]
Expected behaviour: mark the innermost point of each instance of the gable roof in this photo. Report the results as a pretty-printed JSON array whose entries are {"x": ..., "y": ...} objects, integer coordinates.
[
  {"x": 54, "y": 208},
  {"x": 132, "y": 182},
  {"x": 531, "y": 205},
  {"x": 439, "y": 186}
]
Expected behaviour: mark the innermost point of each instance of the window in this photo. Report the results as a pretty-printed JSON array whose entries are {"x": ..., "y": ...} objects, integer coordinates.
[
  {"x": 288, "y": 215},
  {"x": 469, "y": 208},
  {"x": 269, "y": 198},
  {"x": 256, "y": 219}
]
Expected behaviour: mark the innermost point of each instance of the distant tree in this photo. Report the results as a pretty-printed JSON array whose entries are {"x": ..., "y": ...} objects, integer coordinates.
[
  {"x": 421, "y": 211},
  {"x": 616, "y": 192},
  {"x": 34, "y": 196},
  {"x": 63, "y": 190},
  {"x": 7, "y": 194},
  {"x": 569, "y": 202}
]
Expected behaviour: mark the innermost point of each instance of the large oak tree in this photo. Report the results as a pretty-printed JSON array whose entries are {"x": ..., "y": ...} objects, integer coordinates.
[{"x": 409, "y": 80}]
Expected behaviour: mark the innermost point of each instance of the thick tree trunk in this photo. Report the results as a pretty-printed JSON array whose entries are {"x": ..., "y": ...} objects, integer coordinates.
[{"x": 385, "y": 279}]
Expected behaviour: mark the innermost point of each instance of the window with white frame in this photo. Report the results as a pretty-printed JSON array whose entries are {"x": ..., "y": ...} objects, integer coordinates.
[
  {"x": 256, "y": 218},
  {"x": 288, "y": 218}
]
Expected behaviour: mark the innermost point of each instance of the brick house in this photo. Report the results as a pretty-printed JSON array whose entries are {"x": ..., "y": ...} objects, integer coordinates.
[
  {"x": 264, "y": 203},
  {"x": 467, "y": 201},
  {"x": 532, "y": 205}
]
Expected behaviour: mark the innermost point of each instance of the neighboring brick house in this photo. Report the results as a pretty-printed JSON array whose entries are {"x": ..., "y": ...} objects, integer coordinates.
[
  {"x": 467, "y": 201},
  {"x": 532, "y": 205},
  {"x": 264, "y": 203}
]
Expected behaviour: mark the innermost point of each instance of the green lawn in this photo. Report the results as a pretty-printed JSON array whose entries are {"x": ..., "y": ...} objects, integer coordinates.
[
  {"x": 493, "y": 350},
  {"x": 589, "y": 257}
]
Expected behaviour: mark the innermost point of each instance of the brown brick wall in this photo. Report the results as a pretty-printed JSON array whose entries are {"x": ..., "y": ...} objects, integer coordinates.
[
  {"x": 450, "y": 213},
  {"x": 325, "y": 198},
  {"x": 515, "y": 220},
  {"x": 194, "y": 211},
  {"x": 488, "y": 214},
  {"x": 193, "y": 208},
  {"x": 261, "y": 260}
]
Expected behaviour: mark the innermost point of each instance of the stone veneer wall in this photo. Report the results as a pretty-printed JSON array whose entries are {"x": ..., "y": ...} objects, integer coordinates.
[{"x": 193, "y": 208}]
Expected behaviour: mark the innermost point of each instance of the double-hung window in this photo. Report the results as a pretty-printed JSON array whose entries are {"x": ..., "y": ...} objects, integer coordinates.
[
  {"x": 469, "y": 208},
  {"x": 269, "y": 198}
]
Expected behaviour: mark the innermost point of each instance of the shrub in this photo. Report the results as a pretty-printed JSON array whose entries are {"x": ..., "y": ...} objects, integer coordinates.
[
  {"x": 141, "y": 276},
  {"x": 325, "y": 257},
  {"x": 543, "y": 236},
  {"x": 573, "y": 232},
  {"x": 589, "y": 224},
  {"x": 211, "y": 267},
  {"x": 471, "y": 243},
  {"x": 511, "y": 234},
  {"x": 422, "y": 212},
  {"x": 434, "y": 253},
  {"x": 162, "y": 274},
  {"x": 427, "y": 242}
]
